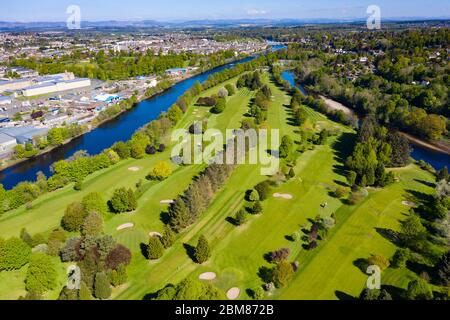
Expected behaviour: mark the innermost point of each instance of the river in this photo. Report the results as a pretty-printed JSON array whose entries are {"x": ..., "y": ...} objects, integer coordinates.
[
  {"x": 437, "y": 159},
  {"x": 118, "y": 129}
]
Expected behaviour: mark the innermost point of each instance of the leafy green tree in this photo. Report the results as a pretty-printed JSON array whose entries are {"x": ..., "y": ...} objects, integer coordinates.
[
  {"x": 253, "y": 196},
  {"x": 92, "y": 225},
  {"x": 41, "y": 275},
  {"x": 263, "y": 189},
  {"x": 102, "y": 287},
  {"x": 118, "y": 276},
  {"x": 94, "y": 202},
  {"x": 123, "y": 200},
  {"x": 380, "y": 261},
  {"x": 443, "y": 269},
  {"x": 202, "y": 251},
  {"x": 231, "y": 89},
  {"x": 286, "y": 147},
  {"x": 240, "y": 217},
  {"x": 155, "y": 249},
  {"x": 282, "y": 274},
  {"x": 257, "y": 208},
  {"x": 73, "y": 217},
  {"x": 258, "y": 293},
  {"x": 14, "y": 254}
]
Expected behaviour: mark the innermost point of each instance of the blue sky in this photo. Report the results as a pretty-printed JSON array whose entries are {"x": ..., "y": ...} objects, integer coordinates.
[{"x": 55, "y": 10}]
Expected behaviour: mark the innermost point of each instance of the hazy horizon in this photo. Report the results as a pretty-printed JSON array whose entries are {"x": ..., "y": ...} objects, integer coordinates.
[{"x": 26, "y": 11}]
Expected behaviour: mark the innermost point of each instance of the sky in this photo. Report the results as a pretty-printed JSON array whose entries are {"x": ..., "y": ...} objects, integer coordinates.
[{"x": 166, "y": 10}]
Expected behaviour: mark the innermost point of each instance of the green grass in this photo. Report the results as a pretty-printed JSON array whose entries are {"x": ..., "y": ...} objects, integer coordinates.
[{"x": 238, "y": 252}]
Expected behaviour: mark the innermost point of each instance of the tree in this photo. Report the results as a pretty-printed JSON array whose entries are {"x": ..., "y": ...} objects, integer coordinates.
[
  {"x": 286, "y": 147},
  {"x": 282, "y": 274},
  {"x": 155, "y": 249},
  {"x": 123, "y": 200},
  {"x": 161, "y": 171},
  {"x": 73, "y": 217},
  {"x": 400, "y": 257},
  {"x": 280, "y": 255},
  {"x": 263, "y": 189},
  {"x": 14, "y": 254},
  {"x": 291, "y": 173},
  {"x": 84, "y": 293},
  {"x": 257, "y": 208},
  {"x": 223, "y": 93},
  {"x": 351, "y": 178},
  {"x": 94, "y": 202},
  {"x": 412, "y": 229},
  {"x": 231, "y": 89},
  {"x": 240, "y": 217},
  {"x": 220, "y": 106},
  {"x": 41, "y": 274},
  {"x": 118, "y": 256},
  {"x": 253, "y": 196},
  {"x": 102, "y": 287},
  {"x": 55, "y": 241},
  {"x": 419, "y": 290},
  {"x": 202, "y": 252},
  {"x": 258, "y": 293},
  {"x": 442, "y": 174},
  {"x": 443, "y": 269},
  {"x": 118, "y": 276},
  {"x": 93, "y": 225},
  {"x": 168, "y": 237},
  {"x": 401, "y": 149}
]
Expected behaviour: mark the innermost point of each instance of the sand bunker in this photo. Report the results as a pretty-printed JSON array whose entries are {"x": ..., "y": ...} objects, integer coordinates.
[
  {"x": 134, "y": 169},
  {"x": 207, "y": 276},
  {"x": 409, "y": 204},
  {"x": 125, "y": 226},
  {"x": 283, "y": 196},
  {"x": 167, "y": 201},
  {"x": 233, "y": 293},
  {"x": 155, "y": 234}
]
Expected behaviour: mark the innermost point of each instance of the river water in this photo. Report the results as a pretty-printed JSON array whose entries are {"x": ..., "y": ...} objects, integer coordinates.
[
  {"x": 437, "y": 159},
  {"x": 118, "y": 129}
]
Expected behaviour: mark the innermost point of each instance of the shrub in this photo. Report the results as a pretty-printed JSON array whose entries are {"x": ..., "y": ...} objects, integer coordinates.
[
  {"x": 118, "y": 276},
  {"x": 253, "y": 196},
  {"x": 340, "y": 192},
  {"x": 355, "y": 198},
  {"x": 258, "y": 293},
  {"x": 41, "y": 274},
  {"x": 155, "y": 248},
  {"x": 78, "y": 186},
  {"x": 150, "y": 150},
  {"x": 380, "y": 261},
  {"x": 161, "y": 171},
  {"x": 202, "y": 251}
]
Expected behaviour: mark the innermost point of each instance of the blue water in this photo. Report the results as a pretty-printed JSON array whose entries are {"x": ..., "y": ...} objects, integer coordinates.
[
  {"x": 118, "y": 129},
  {"x": 437, "y": 159}
]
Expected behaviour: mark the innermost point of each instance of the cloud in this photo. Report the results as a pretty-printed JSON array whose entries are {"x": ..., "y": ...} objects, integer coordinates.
[{"x": 256, "y": 12}]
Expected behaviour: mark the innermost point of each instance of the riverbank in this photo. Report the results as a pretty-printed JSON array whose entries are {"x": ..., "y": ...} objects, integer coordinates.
[
  {"x": 95, "y": 124},
  {"x": 432, "y": 145}
]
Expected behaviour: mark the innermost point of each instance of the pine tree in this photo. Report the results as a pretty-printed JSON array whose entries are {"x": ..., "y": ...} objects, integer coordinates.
[
  {"x": 85, "y": 293},
  {"x": 168, "y": 237},
  {"x": 443, "y": 269},
  {"x": 178, "y": 215},
  {"x": 202, "y": 252},
  {"x": 155, "y": 249}
]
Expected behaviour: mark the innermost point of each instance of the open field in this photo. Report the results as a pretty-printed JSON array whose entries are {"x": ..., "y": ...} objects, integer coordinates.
[{"x": 328, "y": 272}]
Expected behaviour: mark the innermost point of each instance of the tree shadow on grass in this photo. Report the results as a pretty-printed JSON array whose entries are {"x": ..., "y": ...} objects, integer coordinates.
[
  {"x": 265, "y": 274},
  {"x": 190, "y": 251},
  {"x": 164, "y": 217},
  {"x": 395, "y": 292},
  {"x": 390, "y": 235},
  {"x": 144, "y": 250},
  {"x": 232, "y": 221},
  {"x": 361, "y": 264},
  {"x": 419, "y": 268},
  {"x": 426, "y": 183},
  {"x": 344, "y": 146},
  {"x": 418, "y": 197},
  {"x": 344, "y": 296}
]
